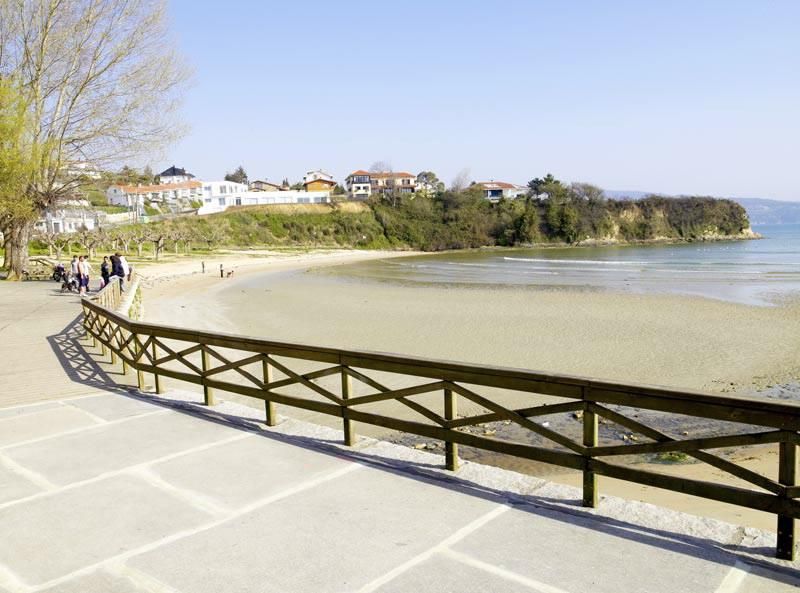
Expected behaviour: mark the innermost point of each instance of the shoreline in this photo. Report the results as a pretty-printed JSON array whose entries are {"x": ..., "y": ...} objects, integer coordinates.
[{"x": 608, "y": 334}]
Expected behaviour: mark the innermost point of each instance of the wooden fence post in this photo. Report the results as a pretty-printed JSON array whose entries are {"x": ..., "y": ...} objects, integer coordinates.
[
  {"x": 137, "y": 349},
  {"x": 450, "y": 448},
  {"x": 156, "y": 376},
  {"x": 208, "y": 392},
  {"x": 787, "y": 474},
  {"x": 589, "y": 440},
  {"x": 269, "y": 406},
  {"x": 349, "y": 432}
]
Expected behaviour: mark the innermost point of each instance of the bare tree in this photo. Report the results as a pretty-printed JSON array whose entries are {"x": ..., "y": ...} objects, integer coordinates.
[
  {"x": 101, "y": 83},
  {"x": 461, "y": 181},
  {"x": 55, "y": 241},
  {"x": 139, "y": 235},
  {"x": 156, "y": 234},
  {"x": 380, "y": 167}
]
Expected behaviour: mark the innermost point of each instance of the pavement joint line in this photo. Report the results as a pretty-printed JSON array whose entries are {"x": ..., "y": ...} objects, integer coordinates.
[
  {"x": 195, "y": 499},
  {"x": 139, "y": 578},
  {"x": 734, "y": 578},
  {"x": 441, "y": 546},
  {"x": 30, "y": 475},
  {"x": 94, "y": 417},
  {"x": 122, "y": 557},
  {"x": 538, "y": 586},
  {"x": 81, "y": 429},
  {"x": 122, "y": 471}
]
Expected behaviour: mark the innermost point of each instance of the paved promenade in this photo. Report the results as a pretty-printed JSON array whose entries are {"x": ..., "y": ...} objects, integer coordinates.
[{"x": 106, "y": 490}]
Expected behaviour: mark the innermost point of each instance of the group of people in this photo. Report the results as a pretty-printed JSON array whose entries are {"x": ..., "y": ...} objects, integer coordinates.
[{"x": 113, "y": 265}]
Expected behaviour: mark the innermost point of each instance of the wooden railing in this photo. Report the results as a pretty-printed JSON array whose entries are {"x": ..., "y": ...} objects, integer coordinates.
[{"x": 352, "y": 384}]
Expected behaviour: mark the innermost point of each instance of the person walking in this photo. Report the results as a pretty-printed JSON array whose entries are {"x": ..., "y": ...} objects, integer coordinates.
[
  {"x": 87, "y": 273},
  {"x": 73, "y": 266},
  {"x": 81, "y": 276},
  {"x": 105, "y": 271},
  {"x": 117, "y": 270},
  {"x": 126, "y": 268}
]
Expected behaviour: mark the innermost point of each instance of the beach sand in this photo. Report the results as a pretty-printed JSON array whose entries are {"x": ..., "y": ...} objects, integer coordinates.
[{"x": 682, "y": 342}]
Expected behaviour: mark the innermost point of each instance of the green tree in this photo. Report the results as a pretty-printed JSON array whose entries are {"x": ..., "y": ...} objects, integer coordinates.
[
  {"x": 97, "y": 78},
  {"x": 238, "y": 176},
  {"x": 431, "y": 184}
]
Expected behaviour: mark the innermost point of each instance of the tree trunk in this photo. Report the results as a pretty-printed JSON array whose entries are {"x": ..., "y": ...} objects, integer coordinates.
[{"x": 16, "y": 260}]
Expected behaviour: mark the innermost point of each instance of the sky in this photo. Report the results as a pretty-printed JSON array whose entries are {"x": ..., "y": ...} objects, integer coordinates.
[{"x": 680, "y": 97}]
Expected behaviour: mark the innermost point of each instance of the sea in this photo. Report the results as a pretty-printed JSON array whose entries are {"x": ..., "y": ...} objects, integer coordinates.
[{"x": 760, "y": 272}]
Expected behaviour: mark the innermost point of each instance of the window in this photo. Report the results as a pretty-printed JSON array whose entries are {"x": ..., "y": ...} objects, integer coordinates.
[
  {"x": 238, "y": 201},
  {"x": 303, "y": 200},
  {"x": 208, "y": 200},
  {"x": 207, "y": 188},
  {"x": 221, "y": 201},
  {"x": 406, "y": 182}
]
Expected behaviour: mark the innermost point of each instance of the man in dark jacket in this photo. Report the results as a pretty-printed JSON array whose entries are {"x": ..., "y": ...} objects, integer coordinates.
[{"x": 116, "y": 269}]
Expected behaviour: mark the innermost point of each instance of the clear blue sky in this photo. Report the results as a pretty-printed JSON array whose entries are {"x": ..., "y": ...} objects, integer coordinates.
[{"x": 678, "y": 97}]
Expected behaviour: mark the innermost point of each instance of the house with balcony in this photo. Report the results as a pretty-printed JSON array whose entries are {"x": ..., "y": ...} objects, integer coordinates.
[
  {"x": 163, "y": 193},
  {"x": 495, "y": 190},
  {"x": 318, "y": 180},
  {"x": 358, "y": 185},
  {"x": 362, "y": 184}
]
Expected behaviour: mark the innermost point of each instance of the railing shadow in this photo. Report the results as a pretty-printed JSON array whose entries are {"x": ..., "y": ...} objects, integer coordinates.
[
  {"x": 564, "y": 510},
  {"x": 78, "y": 364}
]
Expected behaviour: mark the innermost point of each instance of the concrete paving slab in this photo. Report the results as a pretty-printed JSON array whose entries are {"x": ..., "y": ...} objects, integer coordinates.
[
  {"x": 49, "y": 537},
  {"x": 239, "y": 473},
  {"x": 99, "y": 581},
  {"x": 336, "y": 536},
  {"x": 551, "y": 547},
  {"x": 108, "y": 447},
  {"x": 112, "y": 406},
  {"x": 14, "y": 486},
  {"x": 32, "y": 409},
  {"x": 763, "y": 580},
  {"x": 18, "y": 428},
  {"x": 443, "y": 575}
]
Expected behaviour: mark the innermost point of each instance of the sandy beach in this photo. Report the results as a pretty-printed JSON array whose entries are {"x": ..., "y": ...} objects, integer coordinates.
[{"x": 683, "y": 342}]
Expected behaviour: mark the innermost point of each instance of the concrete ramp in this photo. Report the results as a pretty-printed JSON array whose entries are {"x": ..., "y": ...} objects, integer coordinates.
[{"x": 116, "y": 493}]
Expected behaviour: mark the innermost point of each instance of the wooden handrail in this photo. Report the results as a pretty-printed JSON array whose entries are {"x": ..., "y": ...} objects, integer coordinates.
[{"x": 195, "y": 357}]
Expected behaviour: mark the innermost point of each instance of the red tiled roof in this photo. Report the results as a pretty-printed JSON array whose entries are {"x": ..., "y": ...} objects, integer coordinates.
[
  {"x": 146, "y": 189},
  {"x": 391, "y": 174},
  {"x": 359, "y": 172}
]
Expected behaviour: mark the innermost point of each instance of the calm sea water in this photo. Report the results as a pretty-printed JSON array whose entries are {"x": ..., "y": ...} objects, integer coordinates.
[{"x": 759, "y": 272}]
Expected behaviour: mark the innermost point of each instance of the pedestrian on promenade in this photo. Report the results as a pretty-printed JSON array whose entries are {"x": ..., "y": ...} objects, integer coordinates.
[
  {"x": 105, "y": 271},
  {"x": 203, "y": 266},
  {"x": 117, "y": 270},
  {"x": 73, "y": 266},
  {"x": 126, "y": 268},
  {"x": 84, "y": 269}
]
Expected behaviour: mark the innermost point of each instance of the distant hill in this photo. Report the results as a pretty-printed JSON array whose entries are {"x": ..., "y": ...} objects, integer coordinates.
[{"x": 759, "y": 210}]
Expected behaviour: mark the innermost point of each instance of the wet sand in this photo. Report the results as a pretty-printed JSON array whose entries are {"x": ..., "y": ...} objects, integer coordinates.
[{"x": 683, "y": 342}]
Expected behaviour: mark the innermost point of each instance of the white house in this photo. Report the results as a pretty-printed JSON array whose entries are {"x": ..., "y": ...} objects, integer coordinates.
[
  {"x": 82, "y": 169},
  {"x": 163, "y": 193},
  {"x": 221, "y": 202},
  {"x": 494, "y": 190},
  {"x": 358, "y": 185},
  {"x": 317, "y": 175},
  {"x": 175, "y": 175},
  {"x": 69, "y": 217}
]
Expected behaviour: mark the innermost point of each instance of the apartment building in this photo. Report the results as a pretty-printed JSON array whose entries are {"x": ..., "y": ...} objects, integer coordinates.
[{"x": 362, "y": 184}]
